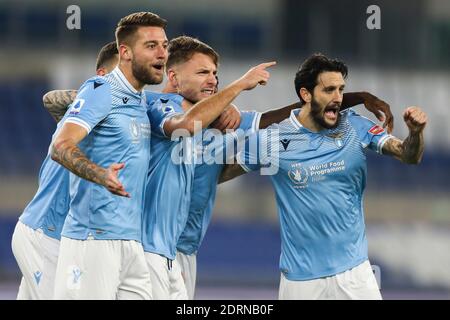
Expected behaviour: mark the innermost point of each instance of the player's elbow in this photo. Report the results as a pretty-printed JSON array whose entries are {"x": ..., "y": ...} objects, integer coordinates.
[
  {"x": 414, "y": 160},
  {"x": 46, "y": 99},
  {"x": 59, "y": 147}
]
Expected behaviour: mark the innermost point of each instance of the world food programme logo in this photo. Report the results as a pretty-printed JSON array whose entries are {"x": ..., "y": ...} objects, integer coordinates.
[
  {"x": 134, "y": 131},
  {"x": 298, "y": 175}
]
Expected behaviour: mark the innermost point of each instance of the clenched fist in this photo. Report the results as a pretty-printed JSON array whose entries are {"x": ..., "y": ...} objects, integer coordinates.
[{"x": 415, "y": 119}]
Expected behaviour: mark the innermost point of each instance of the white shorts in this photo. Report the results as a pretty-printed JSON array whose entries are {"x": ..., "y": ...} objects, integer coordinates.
[
  {"x": 188, "y": 264},
  {"x": 37, "y": 256},
  {"x": 167, "y": 282},
  {"x": 102, "y": 269},
  {"x": 358, "y": 283}
]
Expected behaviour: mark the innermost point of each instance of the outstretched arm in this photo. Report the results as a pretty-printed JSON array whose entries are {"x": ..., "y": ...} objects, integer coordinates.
[
  {"x": 207, "y": 110},
  {"x": 411, "y": 149},
  {"x": 375, "y": 105},
  {"x": 56, "y": 102}
]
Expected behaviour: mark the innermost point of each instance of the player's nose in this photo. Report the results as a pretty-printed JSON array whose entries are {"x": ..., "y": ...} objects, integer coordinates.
[
  {"x": 337, "y": 96},
  {"x": 162, "y": 53},
  {"x": 212, "y": 80}
]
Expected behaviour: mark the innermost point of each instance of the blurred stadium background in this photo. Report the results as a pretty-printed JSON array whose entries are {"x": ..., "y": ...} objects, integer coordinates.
[{"x": 405, "y": 63}]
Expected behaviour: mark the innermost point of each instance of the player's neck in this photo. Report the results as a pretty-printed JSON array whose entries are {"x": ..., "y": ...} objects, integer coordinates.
[
  {"x": 306, "y": 119},
  {"x": 138, "y": 85},
  {"x": 168, "y": 88}
]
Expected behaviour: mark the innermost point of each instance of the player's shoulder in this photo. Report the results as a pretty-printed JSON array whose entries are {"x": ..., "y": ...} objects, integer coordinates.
[
  {"x": 361, "y": 124},
  {"x": 96, "y": 83},
  {"x": 169, "y": 98},
  {"x": 152, "y": 96},
  {"x": 166, "y": 102},
  {"x": 353, "y": 118},
  {"x": 290, "y": 124}
]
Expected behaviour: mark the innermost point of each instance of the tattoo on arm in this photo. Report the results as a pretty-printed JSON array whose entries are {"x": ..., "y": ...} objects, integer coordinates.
[
  {"x": 231, "y": 171},
  {"x": 408, "y": 151},
  {"x": 57, "y": 101},
  {"x": 75, "y": 160}
]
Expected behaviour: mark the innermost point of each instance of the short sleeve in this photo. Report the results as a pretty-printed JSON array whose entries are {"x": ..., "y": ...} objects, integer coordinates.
[
  {"x": 370, "y": 134},
  {"x": 162, "y": 110},
  {"x": 91, "y": 105},
  {"x": 250, "y": 120},
  {"x": 151, "y": 97}
]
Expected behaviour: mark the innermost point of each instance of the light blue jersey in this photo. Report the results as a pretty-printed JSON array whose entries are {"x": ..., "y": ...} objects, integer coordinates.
[
  {"x": 319, "y": 192},
  {"x": 114, "y": 115},
  {"x": 170, "y": 179},
  {"x": 205, "y": 185},
  {"x": 50, "y": 204}
]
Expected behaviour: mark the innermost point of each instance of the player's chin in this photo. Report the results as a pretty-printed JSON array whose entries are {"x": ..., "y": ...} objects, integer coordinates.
[
  {"x": 330, "y": 123},
  {"x": 158, "y": 75},
  {"x": 204, "y": 95}
]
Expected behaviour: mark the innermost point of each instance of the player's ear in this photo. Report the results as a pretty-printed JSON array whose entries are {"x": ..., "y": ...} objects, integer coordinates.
[
  {"x": 306, "y": 96},
  {"x": 101, "y": 71},
  {"x": 172, "y": 76},
  {"x": 125, "y": 52}
]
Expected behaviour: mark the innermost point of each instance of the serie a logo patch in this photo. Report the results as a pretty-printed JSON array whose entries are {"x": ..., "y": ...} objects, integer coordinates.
[
  {"x": 76, "y": 106},
  {"x": 376, "y": 129}
]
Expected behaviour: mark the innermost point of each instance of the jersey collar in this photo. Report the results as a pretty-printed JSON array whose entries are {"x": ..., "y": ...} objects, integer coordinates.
[
  {"x": 294, "y": 120},
  {"x": 124, "y": 82}
]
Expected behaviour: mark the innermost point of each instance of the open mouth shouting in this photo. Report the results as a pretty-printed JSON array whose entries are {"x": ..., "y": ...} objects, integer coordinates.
[
  {"x": 331, "y": 112},
  {"x": 208, "y": 91},
  {"x": 158, "y": 66}
]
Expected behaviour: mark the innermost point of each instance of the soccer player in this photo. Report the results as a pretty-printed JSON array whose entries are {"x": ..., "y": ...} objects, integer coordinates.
[
  {"x": 207, "y": 175},
  {"x": 188, "y": 97},
  {"x": 35, "y": 242},
  {"x": 319, "y": 174},
  {"x": 191, "y": 72},
  {"x": 104, "y": 141}
]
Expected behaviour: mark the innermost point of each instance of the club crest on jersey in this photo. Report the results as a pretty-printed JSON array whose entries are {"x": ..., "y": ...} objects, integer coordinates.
[
  {"x": 76, "y": 106},
  {"x": 376, "y": 129},
  {"x": 298, "y": 175},
  {"x": 135, "y": 131},
  {"x": 338, "y": 142}
]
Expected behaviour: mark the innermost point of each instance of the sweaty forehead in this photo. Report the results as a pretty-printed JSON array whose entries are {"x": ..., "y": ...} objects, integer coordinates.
[{"x": 329, "y": 78}]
